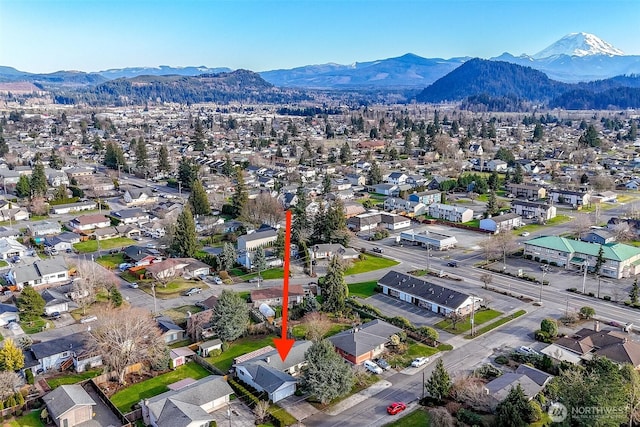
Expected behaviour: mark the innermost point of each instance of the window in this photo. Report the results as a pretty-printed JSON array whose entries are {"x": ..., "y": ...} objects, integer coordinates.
[{"x": 61, "y": 275}]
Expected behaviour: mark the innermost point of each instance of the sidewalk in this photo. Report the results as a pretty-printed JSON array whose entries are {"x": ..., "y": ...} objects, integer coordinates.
[{"x": 358, "y": 397}]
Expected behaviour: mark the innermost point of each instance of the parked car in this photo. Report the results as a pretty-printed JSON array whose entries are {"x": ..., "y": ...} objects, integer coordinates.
[
  {"x": 88, "y": 319},
  {"x": 217, "y": 280},
  {"x": 372, "y": 367},
  {"x": 382, "y": 363},
  {"x": 524, "y": 233},
  {"x": 254, "y": 280},
  {"x": 378, "y": 250},
  {"x": 133, "y": 285},
  {"x": 419, "y": 361},
  {"x": 55, "y": 315},
  {"x": 527, "y": 351},
  {"x": 396, "y": 407},
  {"x": 192, "y": 291}
]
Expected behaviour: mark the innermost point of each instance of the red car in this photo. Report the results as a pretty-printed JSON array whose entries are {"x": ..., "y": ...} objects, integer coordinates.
[{"x": 396, "y": 407}]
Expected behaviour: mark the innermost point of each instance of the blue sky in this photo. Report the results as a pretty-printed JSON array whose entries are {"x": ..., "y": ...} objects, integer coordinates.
[{"x": 92, "y": 35}]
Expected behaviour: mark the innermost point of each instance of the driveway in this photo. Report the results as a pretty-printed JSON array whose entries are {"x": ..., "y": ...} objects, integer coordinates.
[
  {"x": 237, "y": 415},
  {"x": 418, "y": 316}
]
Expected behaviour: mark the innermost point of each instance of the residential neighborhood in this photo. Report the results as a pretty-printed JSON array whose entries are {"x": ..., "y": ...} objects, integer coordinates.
[{"x": 420, "y": 249}]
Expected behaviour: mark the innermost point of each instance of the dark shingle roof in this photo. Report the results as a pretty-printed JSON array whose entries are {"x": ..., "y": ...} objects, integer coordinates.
[
  {"x": 364, "y": 338},
  {"x": 437, "y": 294},
  {"x": 66, "y": 397}
]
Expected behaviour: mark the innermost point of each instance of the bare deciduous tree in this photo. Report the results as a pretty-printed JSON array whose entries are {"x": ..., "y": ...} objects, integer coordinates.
[
  {"x": 500, "y": 245},
  {"x": 581, "y": 224},
  {"x": 360, "y": 375},
  {"x": 91, "y": 279},
  {"x": 486, "y": 278},
  {"x": 623, "y": 231},
  {"x": 264, "y": 209},
  {"x": 261, "y": 411},
  {"x": 317, "y": 325},
  {"x": 440, "y": 417},
  {"x": 469, "y": 391},
  {"x": 9, "y": 383},
  {"x": 125, "y": 337}
]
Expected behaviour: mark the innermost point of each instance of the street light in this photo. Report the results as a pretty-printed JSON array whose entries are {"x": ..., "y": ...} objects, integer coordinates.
[
  {"x": 585, "y": 265},
  {"x": 473, "y": 311},
  {"x": 544, "y": 273},
  {"x": 155, "y": 306}
]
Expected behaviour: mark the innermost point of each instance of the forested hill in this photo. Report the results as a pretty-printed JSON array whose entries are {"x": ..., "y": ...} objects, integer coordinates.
[
  {"x": 502, "y": 86},
  {"x": 495, "y": 79},
  {"x": 236, "y": 86}
]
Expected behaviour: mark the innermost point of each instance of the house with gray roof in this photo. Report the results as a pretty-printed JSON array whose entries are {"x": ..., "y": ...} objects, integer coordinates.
[
  {"x": 62, "y": 241},
  {"x": 364, "y": 342},
  {"x": 134, "y": 196},
  {"x": 263, "y": 377},
  {"x": 72, "y": 350},
  {"x": 69, "y": 405},
  {"x": 187, "y": 403},
  {"x": 56, "y": 301},
  {"x": 428, "y": 295},
  {"x": 44, "y": 228},
  {"x": 73, "y": 207},
  {"x": 43, "y": 272}
]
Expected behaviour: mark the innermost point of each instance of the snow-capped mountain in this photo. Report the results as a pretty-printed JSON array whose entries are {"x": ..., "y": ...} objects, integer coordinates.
[
  {"x": 579, "y": 44},
  {"x": 162, "y": 70}
]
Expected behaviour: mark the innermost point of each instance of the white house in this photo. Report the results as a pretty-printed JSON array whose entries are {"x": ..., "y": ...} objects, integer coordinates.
[
  {"x": 253, "y": 241},
  {"x": 450, "y": 212},
  {"x": 501, "y": 223},
  {"x": 73, "y": 207},
  {"x": 89, "y": 222},
  {"x": 538, "y": 210},
  {"x": 138, "y": 196},
  {"x": 44, "y": 228},
  {"x": 10, "y": 248},
  {"x": 427, "y": 239},
  {"x": 43, "y": 272}
]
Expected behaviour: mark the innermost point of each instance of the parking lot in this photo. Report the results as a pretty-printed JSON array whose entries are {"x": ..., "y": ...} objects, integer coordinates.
[{"x": 418, "y": 316}]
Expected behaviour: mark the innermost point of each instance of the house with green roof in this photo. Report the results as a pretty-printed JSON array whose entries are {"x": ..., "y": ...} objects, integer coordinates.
[{"x": 620, "y": 260}]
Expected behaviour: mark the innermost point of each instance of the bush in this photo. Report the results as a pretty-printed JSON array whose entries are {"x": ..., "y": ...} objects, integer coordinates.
[
  {"x": 29, "y": 376},
  {"x": 224, "y": 275},
  {"x": 225, "y": 346},
  {"x": 591, "y": 294},
  {"x": 468, "y": 417},
  {"x": 488, "y": 372},
  {"x": 574, "y": 290},
  {"x": 587, "y": 312},
  {"x": 542, "y": 336},
  {"x": 606, "y": 298},
  {"x": 243, "y": 393},
  {"x": 502, "y": 360},
  {"x": 550, "y": 327},
  {"x": 215, "y": 352}
]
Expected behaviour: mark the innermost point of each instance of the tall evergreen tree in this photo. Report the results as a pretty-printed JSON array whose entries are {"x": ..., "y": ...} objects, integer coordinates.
[
  {"x": 240, "y": 197},
  {"x": 185, "y": 243},
  {"x": 230, "y": 318},
  {"x": 198, "y": 199},
  {"x": 11, "y": 356},
  {"x": 439, "y": 384},
  {"x": 374, "y": 176},
  {"x": 634, "y": 293},
  {"x": 198, "y": 136},
  {"x": 538, "y": 132},
  {"x": 515, "y": 410},
  {"x": 4, "y": 147},
  {"x": 494, "y": 181},
  {"x": 326, "y": 375},
  {"x": 55, "y": 161},
  {"x": 163, "y": 159},
  {"x": 228, "y": 168},
  {"x": 30, "y": 303},
  {"x": 259, "y": 260},
  {"x": 38, "y": 182},
  {"x": 23, "y": 187},
  {"x": 326, "y": 184},
  {"x": 518, "y": 177},
  {"x": 142, "y": 157},
  {"x": 300, "y": 222},
  {"x": 228, "y": 256},
  {"x": 345, "y": 153},
  {"x": 334, "y": 288},
  {"x": 114, "y": 156},
  {"x": 408, "y": 144},
  {"x": 492, "y": 204},
  {"x": 187, "y": 172}
]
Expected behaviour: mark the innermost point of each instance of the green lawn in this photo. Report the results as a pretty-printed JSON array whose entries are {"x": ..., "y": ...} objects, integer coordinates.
[
  {"x": 92, "y": 245},
  {"x": 273, "y": 273},
  {"x": 238, "y": 348},
  {"x": 362, "y": 289},
  {"x": 126, "y": 398},
  {"x": 417, "y": 418},
  {"x": 73, "y": 378},
  {"x": 35, "y": 326},
  {"x": 480, "y": 317},
  {"x": 300, "y": 331},
  {"x": 370, "y": 263},
  {"x": 111, "y": 261},
  {"x": 475, "y": 223},
  {"x": 171, "y": 290},
  {"x": 559, "y": 219},
  {"x": 3, "y": 263},
  {"x": 178, "y": 314},
  {"x": 32, "y": 419},
  {"x": 414, "y": 350},
  {"x": 497, "y": 323}
]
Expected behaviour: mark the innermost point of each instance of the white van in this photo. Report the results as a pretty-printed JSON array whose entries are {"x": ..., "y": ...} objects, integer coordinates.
[{"x": 372, "y": 367}]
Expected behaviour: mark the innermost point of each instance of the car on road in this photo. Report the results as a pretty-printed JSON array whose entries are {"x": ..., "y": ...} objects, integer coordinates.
[
  {"x": 527, "y": 351},
  {"x": 217, "y": 280},
  {"x": 133, "y": 285},
  {"x": 419, "y": 361},
  {"x": 524, "y": 234},
  {"x": 382, "y": 363},
  {"x": 372, "y": 367},
  {"x": 192, "y": 291},
  {"x": 254, "y": 280},
  {"x": 396, "y": 407},
  {"x": 452, "y": 263},
  {"x": 378, "y": 250}
]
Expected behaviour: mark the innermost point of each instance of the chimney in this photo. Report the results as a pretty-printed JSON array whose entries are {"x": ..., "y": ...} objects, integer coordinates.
[{"x": 596, "y": 326}]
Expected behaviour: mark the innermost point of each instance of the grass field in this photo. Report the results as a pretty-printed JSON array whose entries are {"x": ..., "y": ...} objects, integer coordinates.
[
  {"x": 3, "y": 263},
  {"x": 415, "y": 349},
  {"x": 497, "y": 323},
  {"x": 370, "y": 263},
  {"x": 274, "y": 273},
  {"x": 179, "y": 314},
  {"x": 35, "y": 326},
  {"x": 417, "y": 418},
  {"x": 111, "y": 261},
  {"x": 171, "y": 290},
  {"x": 32, "y": 419},
  {"x": 559, "y": 219},
  {"x": 300, "y": 331},
  {"x": 362, "y": 289},
  {"x": 126, "y": 398},
  {"x": 238, "y": 348},
  {"x": 92, "y": 245},
  {"x": 473, "y": 223},
  {"x": 73, "y": 378},
  {"x": 480, "y": 317}
]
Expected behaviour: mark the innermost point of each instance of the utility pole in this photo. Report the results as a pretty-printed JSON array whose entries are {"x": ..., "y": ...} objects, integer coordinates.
[
  {"x": 544, "y": 273},
  {"x": 428, "y": 257},
  {"x": 473, "y": 311},
  {"x": 585, "y": 265}
]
